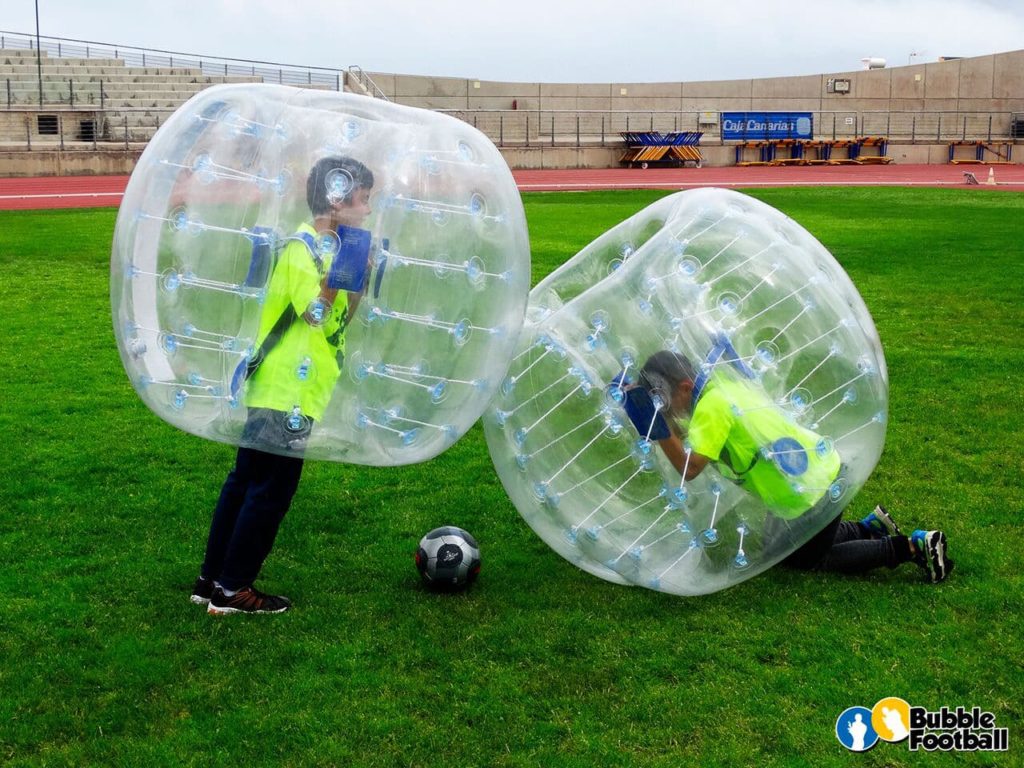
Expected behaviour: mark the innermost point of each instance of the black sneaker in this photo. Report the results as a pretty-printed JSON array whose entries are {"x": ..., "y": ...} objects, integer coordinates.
[
  {"x": 202, "y": 590},
  {"x": 246, "y": 600},
  {"x": 931, "y": 554}
]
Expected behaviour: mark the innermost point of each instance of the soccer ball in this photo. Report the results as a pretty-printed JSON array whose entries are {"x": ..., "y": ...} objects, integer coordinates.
[{"x": 448, "y": 559}]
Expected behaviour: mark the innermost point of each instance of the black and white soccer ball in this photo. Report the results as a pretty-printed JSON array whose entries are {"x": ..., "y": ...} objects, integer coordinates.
[{"x": 448, "y": 559}]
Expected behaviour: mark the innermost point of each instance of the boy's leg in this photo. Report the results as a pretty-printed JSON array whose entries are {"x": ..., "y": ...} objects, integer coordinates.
[
  {"x": 225, "y": 514},
  {"x": 859, "y": 555},
  {"x": 887, "y": 546},
  {"x": 810, "y": 554},
  {"x": 854, "y": 531},
  {"x": 848, "y": 547},
  {"x": 269, "y": 496},
  {"x": 253, "y": 501}
]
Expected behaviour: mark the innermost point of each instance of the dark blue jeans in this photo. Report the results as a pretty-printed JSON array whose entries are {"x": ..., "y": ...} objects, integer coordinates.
[
  {"x": 848, "y": 547},
  {"x": 254, "y": 500}
]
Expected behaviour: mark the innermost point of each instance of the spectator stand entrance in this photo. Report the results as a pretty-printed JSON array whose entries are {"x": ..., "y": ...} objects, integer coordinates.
[{"x": 644, "y": 148}]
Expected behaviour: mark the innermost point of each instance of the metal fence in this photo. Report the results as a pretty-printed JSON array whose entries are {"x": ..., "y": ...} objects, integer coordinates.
[
  {"x": 270, "y": 72},
  {"x": 515, "y": 128},
  {"x": 83, "y": 123},
  {"x": 79, "y": 129}
]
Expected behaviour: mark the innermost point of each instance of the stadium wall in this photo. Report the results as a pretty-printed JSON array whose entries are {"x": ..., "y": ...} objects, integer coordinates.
[
  {"x": 538, "y": 125},
  {"x": 118, "y": 162},
  {"x": 993, "y": 83}
]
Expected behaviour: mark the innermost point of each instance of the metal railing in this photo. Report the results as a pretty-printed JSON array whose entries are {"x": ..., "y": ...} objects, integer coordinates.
[
  {"x": 357, "y": 74},
  {"x": 519, "y": 128},
  {"x": 123, "y": 126},
  {"x": 212, "y": 66},
  {"x": 82, "y": 128}
]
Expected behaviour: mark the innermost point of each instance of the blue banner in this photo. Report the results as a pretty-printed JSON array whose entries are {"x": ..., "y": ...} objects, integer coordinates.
[{"x": 756, "y": 126}]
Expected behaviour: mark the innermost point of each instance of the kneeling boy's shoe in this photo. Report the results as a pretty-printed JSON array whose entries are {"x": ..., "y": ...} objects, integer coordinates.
[
  {"x": 247, "y": 600},
  {"x": 880, "y": 523},
  {"x": 931, "y": 554},
  {"x": 202, "y": 590}
]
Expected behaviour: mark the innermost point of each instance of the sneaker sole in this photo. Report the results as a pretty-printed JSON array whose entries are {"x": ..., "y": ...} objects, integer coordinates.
[
  {"x": 197, "y": 600},
  {"x": 224, "y": 610},
  {"x": 887, "y": 522}
]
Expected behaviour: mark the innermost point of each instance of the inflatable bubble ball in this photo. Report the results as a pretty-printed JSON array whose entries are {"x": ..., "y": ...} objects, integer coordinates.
[
  {"x": 695, "y": 395},
  {"x": 353, "y": 271}
]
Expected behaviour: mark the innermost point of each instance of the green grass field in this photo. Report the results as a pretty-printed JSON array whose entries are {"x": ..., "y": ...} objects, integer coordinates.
[{"x": 104, "y": 508}]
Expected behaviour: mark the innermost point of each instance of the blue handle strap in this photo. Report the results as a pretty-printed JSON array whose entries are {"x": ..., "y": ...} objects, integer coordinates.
[
  {"x": 381, "y": 266},
  {"x": 722, "y": 351},
  {"x": 260, "y": 260},
  {"x": 640, "y": 409}
]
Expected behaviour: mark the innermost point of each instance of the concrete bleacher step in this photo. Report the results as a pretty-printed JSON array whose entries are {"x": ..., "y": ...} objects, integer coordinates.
[
  {"x": 111, "y": 86},
  {"x": 31, "y": 69},
  {"x": 48, "y": 65},
  {"x": 122, "y": 87},
  {"x": 130, "y": 85},
  {"x": 137, "y": 127},
  {"x": 115, "y": 90},
  {"x": 167, "y": 83},
  {"x": 142, "y": 74},
  {"x": 118, "y": 103},
  {"x": 20, "y": 53},
  {"x": 129, "y": 91}
]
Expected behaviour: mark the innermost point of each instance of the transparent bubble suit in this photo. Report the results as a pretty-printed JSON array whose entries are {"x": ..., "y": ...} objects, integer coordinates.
[
  {"x": 697, "y": 273},
  {"x": 445, "y": 293}
]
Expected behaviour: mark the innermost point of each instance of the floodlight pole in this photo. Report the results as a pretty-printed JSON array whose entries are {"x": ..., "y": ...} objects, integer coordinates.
[{"x": 39, "y": 58}]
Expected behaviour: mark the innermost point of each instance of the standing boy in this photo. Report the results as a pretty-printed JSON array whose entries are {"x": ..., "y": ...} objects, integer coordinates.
[{"x": 301, "y": 344}]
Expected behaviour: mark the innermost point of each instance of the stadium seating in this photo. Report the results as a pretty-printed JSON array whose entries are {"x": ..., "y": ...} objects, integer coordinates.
[{"x": 101, "y": 99}]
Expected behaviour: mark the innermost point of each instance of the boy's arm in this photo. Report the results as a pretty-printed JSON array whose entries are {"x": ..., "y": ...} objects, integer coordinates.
[
  {"x": 689, "y": 466},
  {"x": 708, "y": 430},
  {"x": 319, "y": 306},
  {"x": 354, "y": 299}
]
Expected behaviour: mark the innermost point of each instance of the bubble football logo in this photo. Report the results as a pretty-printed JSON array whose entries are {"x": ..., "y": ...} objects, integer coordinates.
[{"x": 943, "y": 730}]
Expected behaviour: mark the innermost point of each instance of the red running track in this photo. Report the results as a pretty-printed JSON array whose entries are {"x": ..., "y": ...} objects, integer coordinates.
[
  {"x": 1006, "y": 177},
  {"x": 102, "y": 191},
  {"x": 61, "y": 192}
]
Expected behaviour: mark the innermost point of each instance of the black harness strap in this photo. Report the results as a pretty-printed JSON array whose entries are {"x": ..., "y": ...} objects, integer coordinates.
[{"x": 288, "y": 316}]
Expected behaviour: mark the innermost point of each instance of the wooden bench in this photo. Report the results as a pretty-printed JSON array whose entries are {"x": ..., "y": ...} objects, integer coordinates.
[
  {"x": 765, "y": 153},
  {"x": 882, "y": 145}
]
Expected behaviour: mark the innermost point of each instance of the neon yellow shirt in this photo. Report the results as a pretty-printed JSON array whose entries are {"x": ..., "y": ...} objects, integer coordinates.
[
  {"x": 302, "y": 368},
  {"x": 735, "y": 423}
]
